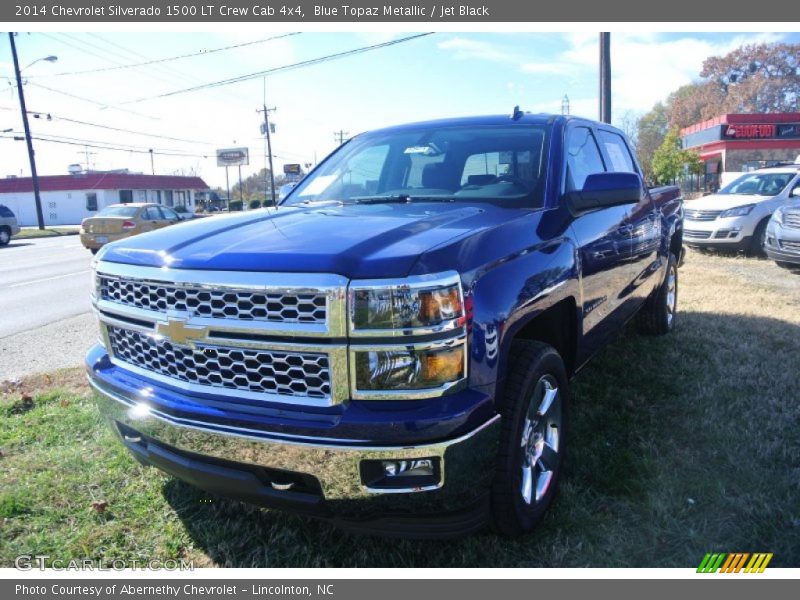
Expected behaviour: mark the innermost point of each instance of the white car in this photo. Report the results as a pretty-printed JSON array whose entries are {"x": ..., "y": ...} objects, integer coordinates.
[
  {"x": 783, "y": 234},
  {"x": 736, "y": 217}
]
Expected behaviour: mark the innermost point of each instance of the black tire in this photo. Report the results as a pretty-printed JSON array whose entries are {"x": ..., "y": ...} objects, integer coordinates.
[
  {"x": 5, "y": 236},
  {"x": 787, "y": 265},
  {"x": 758, "y": 239},
  {"x": 660, "y": 311},
  {"x": 535, "y": 367}
]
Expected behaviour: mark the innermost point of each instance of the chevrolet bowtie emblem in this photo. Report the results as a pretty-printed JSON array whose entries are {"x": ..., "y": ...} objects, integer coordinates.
[{"x": 179, "y": 332}]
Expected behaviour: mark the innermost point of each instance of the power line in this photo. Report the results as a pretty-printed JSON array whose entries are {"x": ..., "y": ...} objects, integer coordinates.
[
  {"x": 90, "y": 101},
  {"x": 170, "y": 58},
  {"x": 105, "y": 147},
  {"x": 39, "y": 114},
  {"x": 297, "y": 65}
]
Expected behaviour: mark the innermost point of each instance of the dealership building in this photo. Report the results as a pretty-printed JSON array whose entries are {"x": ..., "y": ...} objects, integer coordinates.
[
  {"x": 68, "y": 199},
  {"x": 742, "y": 142}
]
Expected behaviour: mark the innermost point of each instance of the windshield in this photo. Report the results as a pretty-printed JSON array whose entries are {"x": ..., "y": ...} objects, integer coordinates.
[
  {"x": 760, "y": 184},
  {"x": 503, "y": 164},
  {"x": 119, "y": 211}
]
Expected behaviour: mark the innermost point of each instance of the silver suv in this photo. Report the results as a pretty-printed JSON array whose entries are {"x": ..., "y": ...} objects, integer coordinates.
[{"x": 8, "y": 225}]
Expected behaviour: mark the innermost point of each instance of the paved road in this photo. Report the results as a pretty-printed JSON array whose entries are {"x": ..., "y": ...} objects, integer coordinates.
[{"x": 45, "y": 321}]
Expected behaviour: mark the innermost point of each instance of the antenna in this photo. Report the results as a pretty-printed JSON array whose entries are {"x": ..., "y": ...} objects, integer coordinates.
[{"x": 516, "y": 114}]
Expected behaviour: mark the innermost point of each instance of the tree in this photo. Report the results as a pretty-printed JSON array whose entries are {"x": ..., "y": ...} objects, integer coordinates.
[
  {"x": 670, "y": 160},
  {"x": 755, "y": 78},
  {"x": 651, "y": 129}
]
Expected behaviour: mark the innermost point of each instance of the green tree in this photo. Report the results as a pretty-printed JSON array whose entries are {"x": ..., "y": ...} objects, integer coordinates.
[
  {"x": 670, "y": 160},
  {"x": 651, "y": 129}
]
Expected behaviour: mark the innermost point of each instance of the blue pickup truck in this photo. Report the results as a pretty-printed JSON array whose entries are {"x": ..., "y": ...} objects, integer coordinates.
[{"x": 391, "y": 347}]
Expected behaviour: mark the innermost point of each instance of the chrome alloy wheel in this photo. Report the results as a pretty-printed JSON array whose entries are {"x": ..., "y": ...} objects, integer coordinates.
[
  {"x": 540, "y": 440},
  {"x": 672, "y": 292},
  {"x": 4, "y": 237}
]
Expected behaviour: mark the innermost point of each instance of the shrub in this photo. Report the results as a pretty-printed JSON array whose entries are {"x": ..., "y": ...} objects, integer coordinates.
[
  {"x": 254, "y": 204},
  {"x": 234, "y": 205}
]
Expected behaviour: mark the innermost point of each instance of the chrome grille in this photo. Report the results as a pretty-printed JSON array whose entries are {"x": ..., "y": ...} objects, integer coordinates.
[
  {"x": 791, "y": 246},
  {"x": 696, "y": 234},
  {"x": 791, "y": 218},
  {"x": 242, "y": 369},
  {"x": 701, "y": 215},
  {"x": 159, "y": 296}
]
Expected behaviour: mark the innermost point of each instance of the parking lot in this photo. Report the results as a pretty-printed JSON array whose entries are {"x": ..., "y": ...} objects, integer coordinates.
[
  {"x": 680, "y": 445},
  {"x": 44, "y": 305}
]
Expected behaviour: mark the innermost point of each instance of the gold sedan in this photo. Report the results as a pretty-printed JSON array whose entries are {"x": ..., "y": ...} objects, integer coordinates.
[{"x": 119, "y": 221}]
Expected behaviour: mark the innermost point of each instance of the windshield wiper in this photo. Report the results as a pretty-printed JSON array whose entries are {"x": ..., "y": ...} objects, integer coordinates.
[{"x": 400, "y": 199}]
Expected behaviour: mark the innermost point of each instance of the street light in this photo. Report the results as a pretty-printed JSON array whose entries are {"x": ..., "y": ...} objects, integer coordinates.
[
  {"x": 52, "y": 58},
  {"x": 28, "y": 139}
]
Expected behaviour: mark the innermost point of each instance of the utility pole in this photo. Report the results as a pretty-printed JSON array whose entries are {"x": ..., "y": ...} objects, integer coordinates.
[
  {"x": 86, "y": 154},
  {"x": 340, "y": 136},
  {"x": 605, "y": 77},
  {"x": 565, "y": 105},
  {"x": 28, "y": 139},
  {"x": 152, "y": 164},
  {"x": 267, "y": 129}
]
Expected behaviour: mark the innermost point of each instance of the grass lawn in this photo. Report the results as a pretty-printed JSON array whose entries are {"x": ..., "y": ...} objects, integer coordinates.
[
  {"x": 679, "y": 446},
  {"x": 32, "y": 232}
]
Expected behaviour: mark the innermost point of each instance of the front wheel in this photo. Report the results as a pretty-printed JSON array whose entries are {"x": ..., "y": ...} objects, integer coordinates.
[
  {"x": 758, "y": 240},
  {"x": 787, "y": 265},
  {"x": 5, "y": 236},
  {"x": 657, "y": 316},
  {"x": 532, "y": 440}
]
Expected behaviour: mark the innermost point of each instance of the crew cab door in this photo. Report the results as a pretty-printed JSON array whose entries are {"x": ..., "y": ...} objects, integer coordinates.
[
  {"x": 603, "y": 239},
  {"x": 643, "y": 224}
]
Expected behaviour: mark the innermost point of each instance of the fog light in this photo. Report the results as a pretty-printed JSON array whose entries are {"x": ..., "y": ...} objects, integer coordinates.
[
  {"x": 407, "y": 475},
  {"x": 408, "y": 468}
]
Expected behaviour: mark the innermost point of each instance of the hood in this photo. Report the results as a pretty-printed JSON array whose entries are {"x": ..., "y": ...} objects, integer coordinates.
[
  {"x": 357, "y": 241},
  {"x": 724, "y": 201}
]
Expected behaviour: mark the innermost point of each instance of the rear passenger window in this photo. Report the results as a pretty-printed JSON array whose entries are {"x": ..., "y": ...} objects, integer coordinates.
[
  {"x": 617, "y": 152},
  {"x": 583, "y": 157},
  {"x": 6, "y": 213}
]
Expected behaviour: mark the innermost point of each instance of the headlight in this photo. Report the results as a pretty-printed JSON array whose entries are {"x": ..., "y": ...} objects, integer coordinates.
[
  {"x": 738, "y": 211},
  {"x": 417, "y": 303},
  {"x": 415, "y": 309},
  {"x": 409, "y": 368}
]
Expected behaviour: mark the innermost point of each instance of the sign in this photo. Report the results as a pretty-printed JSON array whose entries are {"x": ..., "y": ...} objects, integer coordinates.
[
  {"x": 233, "y": 157},
  {"x": 756, "y": 131},
  {"x": 292, "y": 169}
]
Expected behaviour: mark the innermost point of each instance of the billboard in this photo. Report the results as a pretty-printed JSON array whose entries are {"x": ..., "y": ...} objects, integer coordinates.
[
  {"x": 233, "y": 157},
  {"x": 292, "y": 169}
]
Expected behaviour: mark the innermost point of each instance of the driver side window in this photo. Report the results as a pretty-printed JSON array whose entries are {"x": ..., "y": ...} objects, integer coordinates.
[{"x": 583, "y": 158}]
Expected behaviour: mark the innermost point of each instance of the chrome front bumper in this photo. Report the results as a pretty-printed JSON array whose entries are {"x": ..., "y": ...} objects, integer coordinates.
[{"x": 467, "y": 463}]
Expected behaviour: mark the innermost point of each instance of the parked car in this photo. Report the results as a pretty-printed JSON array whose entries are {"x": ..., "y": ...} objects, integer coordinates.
[
  {"x": 736, "y": 217},
  {"x": 392, "y": 348},
  {"x": 118, "y": 221},
  {"x": 783, "y": 234},
  {"x": 8, "y": 225}
]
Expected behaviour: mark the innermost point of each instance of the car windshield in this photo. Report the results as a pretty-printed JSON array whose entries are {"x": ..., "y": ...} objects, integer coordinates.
[
  {"x": 118, "y": 211},
  {"x": 758, "y": 184},
  {"x": 502, "y": 164}
]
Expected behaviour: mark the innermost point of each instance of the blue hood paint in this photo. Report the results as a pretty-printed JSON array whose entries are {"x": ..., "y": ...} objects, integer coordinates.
[{"x": 357, "y": 241}]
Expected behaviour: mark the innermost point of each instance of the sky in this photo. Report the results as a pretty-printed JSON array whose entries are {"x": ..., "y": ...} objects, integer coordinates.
[{"x": 441, "y": 75}]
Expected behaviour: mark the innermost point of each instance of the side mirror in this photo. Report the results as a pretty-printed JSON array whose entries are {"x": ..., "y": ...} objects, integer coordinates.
[
  {"x": 601, "y": 190},
  {"x": 795, "y": 193}
]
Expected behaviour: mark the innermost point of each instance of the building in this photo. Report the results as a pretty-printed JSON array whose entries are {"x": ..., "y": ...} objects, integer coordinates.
[
  {"x": 68, "y": 199},
  {"x": 743, "y": 142}
]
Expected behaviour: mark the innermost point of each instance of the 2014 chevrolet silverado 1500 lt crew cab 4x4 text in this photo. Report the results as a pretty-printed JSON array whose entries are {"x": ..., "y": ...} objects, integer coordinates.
[{"x": 391, "y": 347}]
